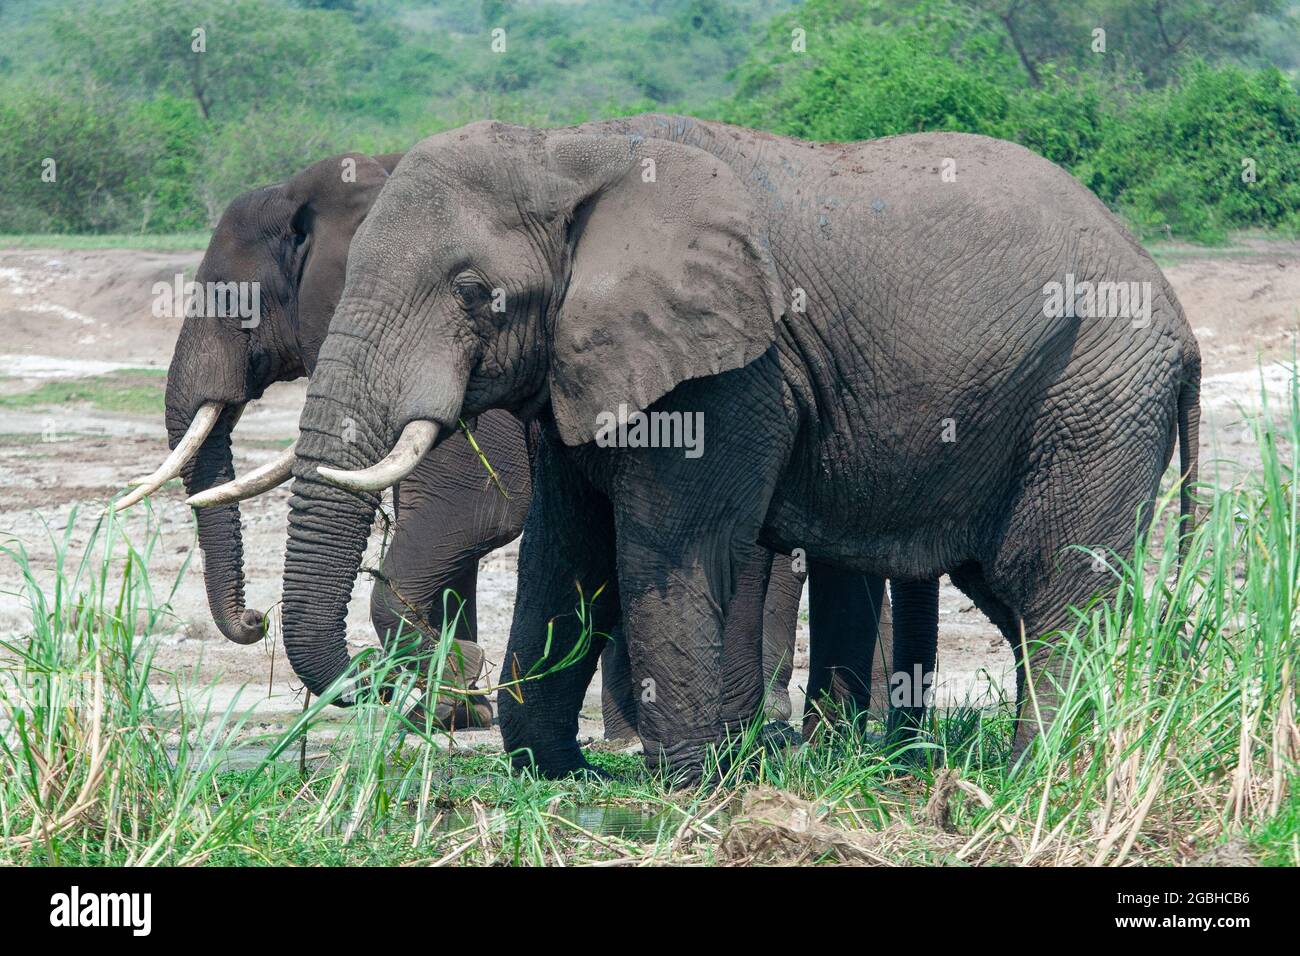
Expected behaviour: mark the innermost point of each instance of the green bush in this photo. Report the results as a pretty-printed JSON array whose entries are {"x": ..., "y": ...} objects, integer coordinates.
[
  {"x": 1065, "y": 121},
  {"x": 169, "y": 198},
  {"x": 115, "y": 168},
  {"x": 1171, "y": 160},
  {"x": 149, "y": 138},
  {"x": 1174, "y": 158},
  {"x": 259, "y": 149},
  {"x": 859, "y": 79}
]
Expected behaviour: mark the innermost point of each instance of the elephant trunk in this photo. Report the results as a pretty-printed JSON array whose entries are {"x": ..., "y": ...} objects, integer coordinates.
[
  {"x": 366, "y": 412},
  {"x": 328, "y": 528},
  {"x": 220, "y": 537}
]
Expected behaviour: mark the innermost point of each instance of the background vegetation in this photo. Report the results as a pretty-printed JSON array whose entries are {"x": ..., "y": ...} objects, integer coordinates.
[{"x": 150, "y": 137}]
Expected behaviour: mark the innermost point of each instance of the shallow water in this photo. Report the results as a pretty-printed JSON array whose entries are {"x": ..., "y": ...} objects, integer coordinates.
[{"x": 635, "y": 823}]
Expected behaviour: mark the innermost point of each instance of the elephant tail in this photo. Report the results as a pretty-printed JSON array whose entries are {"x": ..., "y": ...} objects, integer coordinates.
[{"x": 1189, "y": 446}]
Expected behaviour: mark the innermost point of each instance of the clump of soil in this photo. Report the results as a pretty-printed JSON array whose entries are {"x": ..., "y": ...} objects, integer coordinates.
[{"x": 776, "y": 828}]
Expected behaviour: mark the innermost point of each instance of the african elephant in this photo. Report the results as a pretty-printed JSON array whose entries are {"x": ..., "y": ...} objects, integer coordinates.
[
  {"x": 875, "y": 334},
  {"x": 292, "y": 239}
]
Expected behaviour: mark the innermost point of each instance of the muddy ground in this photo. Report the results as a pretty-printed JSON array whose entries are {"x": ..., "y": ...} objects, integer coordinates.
[{"x": 82, "y": 362}]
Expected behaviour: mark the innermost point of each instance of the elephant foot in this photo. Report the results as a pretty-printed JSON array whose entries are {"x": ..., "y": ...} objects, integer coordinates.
[
  {"x": 559, "y": 765},
  {"x": 682, "y": 765},
  {"x": 463, "y": 714},
  {"x": 591, "y": 771},
  {"x": 903, "y": 733},
  {"x": 778, "y": 737},
  {"x": 818, "y": 724},
  {"x": 456, "y": 708},
  {"x": 778, "y": 706}
]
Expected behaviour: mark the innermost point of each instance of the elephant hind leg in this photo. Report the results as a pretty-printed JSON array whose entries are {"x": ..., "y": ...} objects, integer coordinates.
[
  {"x": 845, "y": 616},
  {"x": 969, "y": 578},
  {"x": 915, "y": 605},
  {"x": 1045, "y": 565}
]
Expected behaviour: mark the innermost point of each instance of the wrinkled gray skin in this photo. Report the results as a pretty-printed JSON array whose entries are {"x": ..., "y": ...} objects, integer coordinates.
[
  {"x": 924, "y": 310},
  {"x": 293, "y": 239},
  {"x": 924, "y": 313}
]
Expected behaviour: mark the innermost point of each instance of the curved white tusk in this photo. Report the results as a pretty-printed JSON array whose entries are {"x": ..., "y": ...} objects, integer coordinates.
[
  {"x": 189, "y": 444},
  {"x": 412, "y": 445},
  {"x": 145, "y": 479},
  {"x": 258, "y": 481}
]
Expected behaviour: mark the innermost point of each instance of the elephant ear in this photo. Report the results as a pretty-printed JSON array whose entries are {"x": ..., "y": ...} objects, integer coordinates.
[
  {"x": 668, "y": 280},
  {"x": 328, "y": 201}
]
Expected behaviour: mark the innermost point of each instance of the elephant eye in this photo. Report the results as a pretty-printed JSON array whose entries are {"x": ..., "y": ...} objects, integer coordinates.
[{"x": 471, "y": 293}]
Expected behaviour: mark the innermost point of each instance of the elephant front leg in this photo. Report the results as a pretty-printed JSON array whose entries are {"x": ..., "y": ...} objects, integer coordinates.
[
  {"x": 618, "y": 695},
  {"x": 688, "y": 520},
  {"x": 566, "y": 602},
  {"x": 780, "y": 626},
  {"x": 745, "y": 682},
  {"x": 746, "y": 674},
  {"x": 673, "y": 622}
]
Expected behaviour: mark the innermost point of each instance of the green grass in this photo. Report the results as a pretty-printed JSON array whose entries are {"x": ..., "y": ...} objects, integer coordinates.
[
  {"x": 133, "y": 392},
  {"x": 1177, "y": 735},
  {"x": 53, "y": 240}
]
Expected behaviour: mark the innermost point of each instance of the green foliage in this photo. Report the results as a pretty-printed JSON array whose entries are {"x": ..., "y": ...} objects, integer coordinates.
[
  {"x": 1152, "y": 41},
  {"x": 1170, "y": 159},
  {"x": 175, "y": 129},
  {"x": 150, "y": 136},
  {"x": 1176, "y": 158},
  {"x": 223, "y": 54},
  {"x": 857, "y": 78},
  {"x": 113, "y": 168}
]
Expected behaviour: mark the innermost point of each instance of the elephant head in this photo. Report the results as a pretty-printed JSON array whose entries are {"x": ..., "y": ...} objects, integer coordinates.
[
  {"x": 290, "y": 243},
  {"x": 508, "y": 268}
]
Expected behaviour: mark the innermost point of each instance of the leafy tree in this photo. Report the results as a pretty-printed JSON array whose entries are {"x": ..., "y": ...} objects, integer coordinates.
[
  {"x": 860, "y": 73},
  {"x": 249, "y": 51},
  {"x": 1152, "y": 37}
]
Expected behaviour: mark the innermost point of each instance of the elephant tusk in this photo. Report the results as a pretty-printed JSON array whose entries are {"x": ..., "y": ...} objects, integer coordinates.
[
  {"x": 258, "y": 481},
  {"x": 190, "y": 443},
  {"x": 413, "y": 444},
  {"x": 233, "y": 422}
]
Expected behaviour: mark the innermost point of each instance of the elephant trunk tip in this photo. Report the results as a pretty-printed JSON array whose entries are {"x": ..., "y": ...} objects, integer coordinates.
[{"x": 248, "y": 627}]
